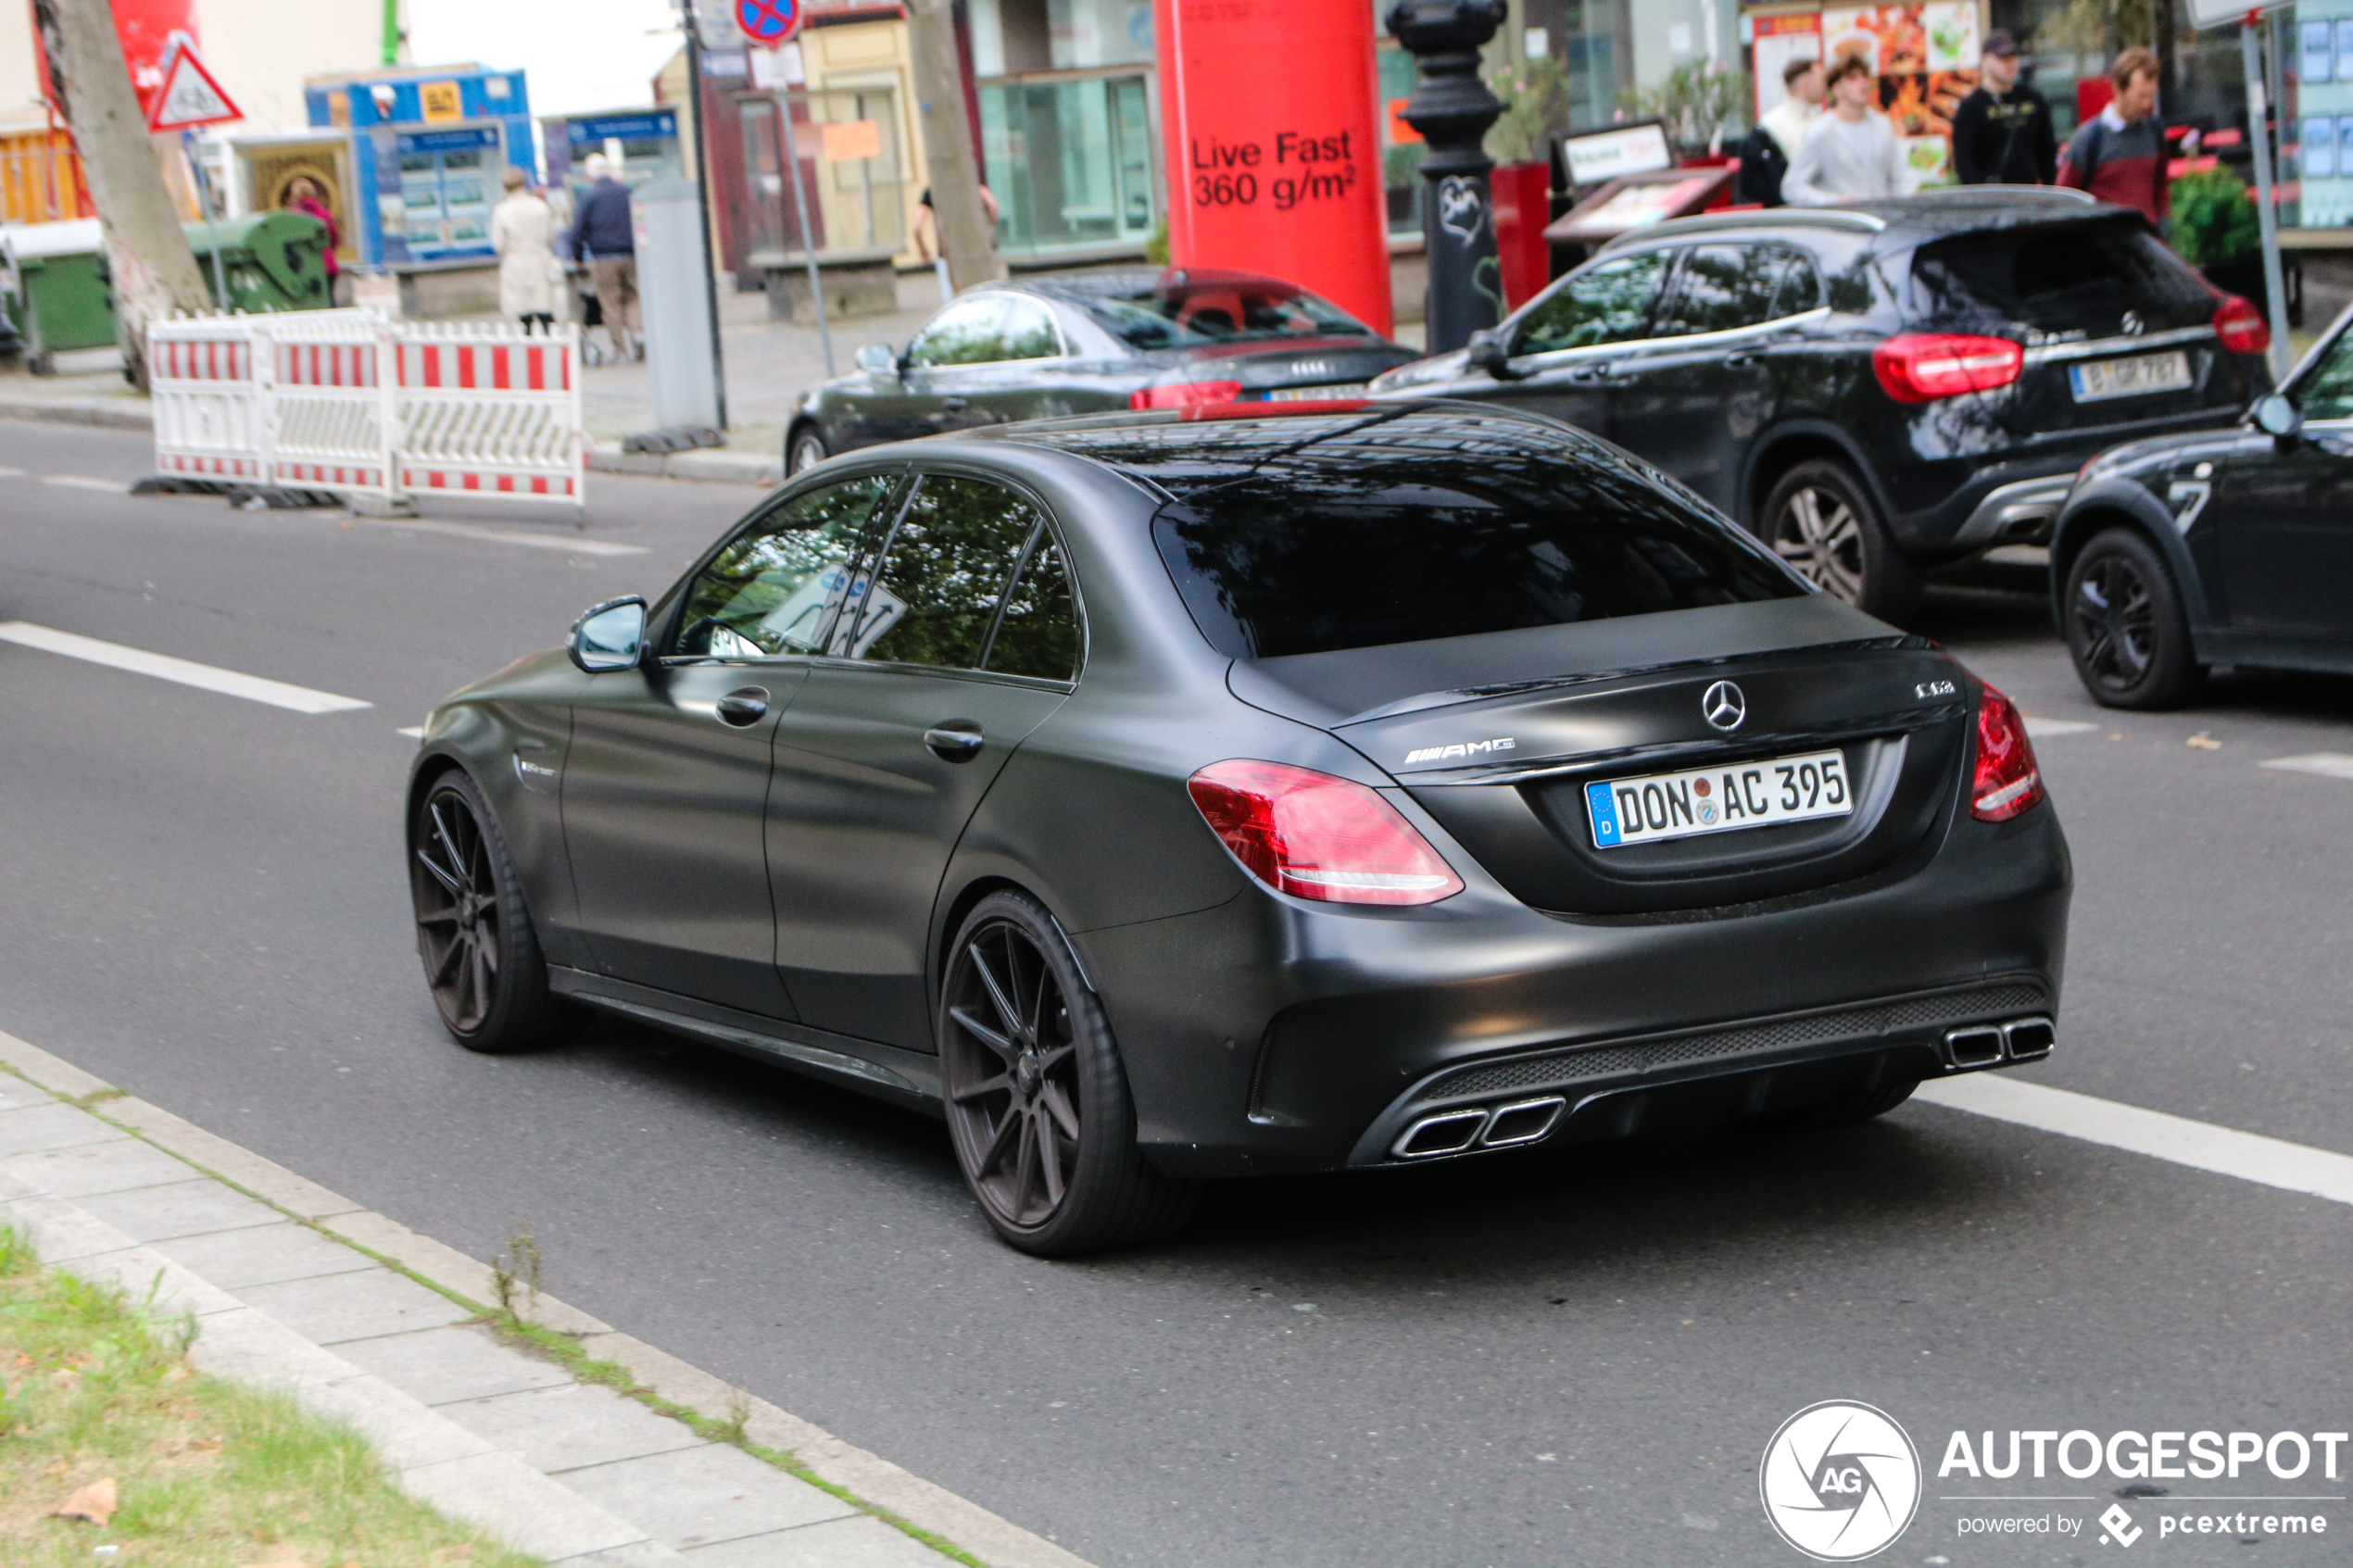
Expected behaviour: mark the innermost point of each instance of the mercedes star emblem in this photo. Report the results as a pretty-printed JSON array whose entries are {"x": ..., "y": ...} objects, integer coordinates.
[{"x": 1723, "y": 706}]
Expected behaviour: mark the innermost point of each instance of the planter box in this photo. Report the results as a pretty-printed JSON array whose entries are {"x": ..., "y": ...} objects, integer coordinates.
[{"x": 1523, "y": 197}]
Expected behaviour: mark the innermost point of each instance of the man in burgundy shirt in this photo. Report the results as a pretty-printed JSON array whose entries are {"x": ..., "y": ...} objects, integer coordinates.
[{"x": 2120, "y": 155}]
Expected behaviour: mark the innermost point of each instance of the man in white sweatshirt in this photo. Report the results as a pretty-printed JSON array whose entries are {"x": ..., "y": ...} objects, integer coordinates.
[{"x": 1850, "y": 154}]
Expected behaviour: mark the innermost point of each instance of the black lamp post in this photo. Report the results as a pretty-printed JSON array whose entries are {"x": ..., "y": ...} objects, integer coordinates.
[{"x": 1453, "y": 108}]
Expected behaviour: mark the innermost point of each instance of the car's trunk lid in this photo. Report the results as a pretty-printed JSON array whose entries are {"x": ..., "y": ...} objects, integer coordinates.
[{"x": 1497, "y": 736}]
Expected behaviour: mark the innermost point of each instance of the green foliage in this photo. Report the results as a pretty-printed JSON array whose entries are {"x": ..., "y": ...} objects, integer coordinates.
[
  {"x": 1156, "y": 248},
  {"x": 2214, "y": 218},
  {"x": 1694, "y": 103},
  {"x": 1400, "y": 165},
  {"x": 1535, "y": 94}
]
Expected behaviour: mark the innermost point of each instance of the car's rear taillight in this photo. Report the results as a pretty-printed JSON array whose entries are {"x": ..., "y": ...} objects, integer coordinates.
[
  {"x": 2007, "y": 781},
  {"x": 1185, "y": 394},
  {"x": 1316, "y": 836},
  {"x": 2240, "y": 326},
  {"x": 1923, "y": 367}
]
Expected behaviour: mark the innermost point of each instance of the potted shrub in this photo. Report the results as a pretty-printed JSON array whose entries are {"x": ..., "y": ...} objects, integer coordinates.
[{"x": 1535, "y": 94}]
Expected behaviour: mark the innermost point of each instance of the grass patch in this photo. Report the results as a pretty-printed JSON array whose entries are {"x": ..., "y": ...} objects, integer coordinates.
[{"x": 209, "y": 1474}]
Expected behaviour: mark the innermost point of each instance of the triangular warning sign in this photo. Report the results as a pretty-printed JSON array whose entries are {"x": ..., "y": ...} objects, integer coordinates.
[{"x": 189, "y": 97}]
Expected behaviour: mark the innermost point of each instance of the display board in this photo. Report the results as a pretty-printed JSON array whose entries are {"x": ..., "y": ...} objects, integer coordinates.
[{"x": 1925, "y": 56}]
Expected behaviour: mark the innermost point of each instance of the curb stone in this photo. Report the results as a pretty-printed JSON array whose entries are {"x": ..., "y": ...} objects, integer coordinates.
[
  {"x": 715, "y": 465},
  {"x": 366, "y": 1322}
]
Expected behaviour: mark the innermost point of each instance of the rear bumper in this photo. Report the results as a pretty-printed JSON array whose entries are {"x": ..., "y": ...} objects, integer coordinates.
[{"x": 1268, "y": 1036}]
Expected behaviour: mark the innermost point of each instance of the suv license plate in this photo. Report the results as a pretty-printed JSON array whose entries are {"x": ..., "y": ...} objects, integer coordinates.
[
  {"x": 1746, "y": 794},
  {"x": 1318, "y": 393},
  {"x": 2103, "y": 379}
]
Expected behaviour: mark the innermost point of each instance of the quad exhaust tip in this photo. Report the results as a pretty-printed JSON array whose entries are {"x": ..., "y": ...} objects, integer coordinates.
[
  {"x": 1502, "y": 1126},
  {"x": 1983, "y": 1045}
]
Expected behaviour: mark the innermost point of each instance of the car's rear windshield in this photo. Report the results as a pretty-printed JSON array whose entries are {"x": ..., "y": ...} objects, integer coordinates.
[
  {"x": 1182, "y": 315},
  {"x": 1316, "y": 557},
  {"x": 2059, "y": 279}
]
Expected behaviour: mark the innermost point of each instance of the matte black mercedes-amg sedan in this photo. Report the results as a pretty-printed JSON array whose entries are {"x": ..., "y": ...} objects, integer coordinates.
[{"x": 1172, "y": 795}]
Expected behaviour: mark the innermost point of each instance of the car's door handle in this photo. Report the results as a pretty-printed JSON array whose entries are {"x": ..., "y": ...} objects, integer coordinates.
[
  {"x": 958, "y": 740},
  {"x": 1740, "y": 361},
  {"x": 953, "y": 405},
  {"x": 745, "y": 704}
]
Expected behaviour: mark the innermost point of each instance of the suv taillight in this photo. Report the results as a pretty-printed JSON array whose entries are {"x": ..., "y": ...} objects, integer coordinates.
[
  {"x": 2006, "y": 781},
  {"x": 1185, "y": 394},
  {"x": 1316, "y": 836},
  {"x": 1923, "y": 367},
  {"x": 2240, "y": 326}
]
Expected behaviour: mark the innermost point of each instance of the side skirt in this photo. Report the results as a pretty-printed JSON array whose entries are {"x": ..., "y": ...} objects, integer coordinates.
[{"x": 904, "y": 1077}]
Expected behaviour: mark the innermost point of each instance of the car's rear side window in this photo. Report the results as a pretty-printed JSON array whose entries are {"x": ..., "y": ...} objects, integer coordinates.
[
  {"x": 1358, "y": 556},
  {"x": 2077, "y": 276}
]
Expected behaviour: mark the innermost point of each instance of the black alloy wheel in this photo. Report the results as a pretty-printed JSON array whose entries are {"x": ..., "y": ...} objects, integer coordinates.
[
  {"x": 1038, "y": 1104},
  {"x": 1819, "y": 519},
  {"x": 481, "y": 955},
  {"x": 2125, "y": 625},
  {"x": 805, "y": 451}
]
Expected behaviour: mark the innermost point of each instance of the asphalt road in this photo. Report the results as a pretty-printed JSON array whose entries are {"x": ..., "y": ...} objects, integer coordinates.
[{"x": 1572, "y": 1361}]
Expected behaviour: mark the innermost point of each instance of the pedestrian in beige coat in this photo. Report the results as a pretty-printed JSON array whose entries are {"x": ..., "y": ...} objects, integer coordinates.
[{"x": 522, "y": 231}]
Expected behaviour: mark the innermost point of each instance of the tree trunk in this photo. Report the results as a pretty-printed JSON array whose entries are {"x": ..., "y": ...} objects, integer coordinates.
[
  {"x": 966, "y": 236},
  {"x": 154, "y": 269}
]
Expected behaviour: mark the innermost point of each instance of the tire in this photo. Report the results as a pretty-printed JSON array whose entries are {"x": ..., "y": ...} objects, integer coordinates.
[
  {"x": 1038, "y": 1104},
  {"x": 1819, "y": 519},
  {"x": 481, "y": 958},
  {"x": 804, "y": 450},
  {"x": 2126, "y": 627}
]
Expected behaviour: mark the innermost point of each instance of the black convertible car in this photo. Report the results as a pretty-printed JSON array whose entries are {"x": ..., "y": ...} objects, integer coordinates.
[
  {"x": 1173, "y": 796},
  {"x": 1083, "y": 343},
  {"x": 2232, "y": 546}
]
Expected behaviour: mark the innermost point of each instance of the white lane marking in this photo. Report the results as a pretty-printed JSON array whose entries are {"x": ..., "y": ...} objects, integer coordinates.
[
  {"x": 7, "y": 472},
  {"x": 414, "y": 732},
  {"x": 253, "y": 688},
  {"x": 76, "y": 482},
  {"x": 2037, "y": 729},
  {"x": 2200, "y": 1145},
  {"x": 506, "y": 536},
  {"x": 2327, "y": 764}
]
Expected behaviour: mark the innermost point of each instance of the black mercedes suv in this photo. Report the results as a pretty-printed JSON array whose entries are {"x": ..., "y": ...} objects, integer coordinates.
[{"x": 1877, "y": 389}]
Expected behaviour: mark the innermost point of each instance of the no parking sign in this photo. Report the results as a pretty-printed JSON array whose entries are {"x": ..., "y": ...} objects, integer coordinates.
[{"x": 768, "y": 22}]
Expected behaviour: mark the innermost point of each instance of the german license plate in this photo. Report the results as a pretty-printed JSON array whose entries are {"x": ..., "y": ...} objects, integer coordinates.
[
  {"x": 1318, "y": 393},
  {"x": 2103, "y": 379},
  {"x": 1655, "y": 807}
]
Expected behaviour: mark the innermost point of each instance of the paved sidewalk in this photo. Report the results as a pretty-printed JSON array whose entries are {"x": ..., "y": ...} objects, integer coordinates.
[{"x": 292, "y": 1287}]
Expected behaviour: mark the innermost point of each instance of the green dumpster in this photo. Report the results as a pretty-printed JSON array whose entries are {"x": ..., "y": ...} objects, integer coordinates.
[
  {"x": 54, "y": 276},
  {"x": 271, "y": 261}
]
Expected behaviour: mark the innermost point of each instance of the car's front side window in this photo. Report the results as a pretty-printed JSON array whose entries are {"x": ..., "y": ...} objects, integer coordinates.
[
  {"x": 967, "y": 332},
  {"x": 772, "y": 591},
  {"x": 935, "y": 595},
  {"x": 1609, "y": 303},
  {"x": 2327, "y": 392}
]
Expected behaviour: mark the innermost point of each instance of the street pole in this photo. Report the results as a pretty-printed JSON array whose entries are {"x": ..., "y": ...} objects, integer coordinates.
[
  {"x": 211, "y": 216},
  {"x": 154, "y": 268},
  {"x": 2259, "y": 125},
  {"x": 1453, "y": 108},
  {"x": 807, "y": 240},
  {"x": 702, "y": 205}
]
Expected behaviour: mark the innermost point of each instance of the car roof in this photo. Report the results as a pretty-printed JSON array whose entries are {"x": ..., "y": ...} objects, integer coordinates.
[
  {"x": 1899, "y": 220},
  {"x": 1107, "y": 282},
  {"x": 1174, "y": 451}
]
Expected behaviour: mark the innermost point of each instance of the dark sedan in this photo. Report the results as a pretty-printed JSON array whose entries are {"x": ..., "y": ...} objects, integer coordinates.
[
  {"x": 1176, "y": 796},
  {"x": 2234, "y": 547},
  {"x": 1880, "y": 389},
  {"x": 1083, "y": 343}
]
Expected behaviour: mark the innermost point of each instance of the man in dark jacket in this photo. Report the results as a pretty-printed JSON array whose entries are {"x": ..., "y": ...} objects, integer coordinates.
[
  {"x": 2002, "y": 133},
  {"x": 603, "y": 237}
]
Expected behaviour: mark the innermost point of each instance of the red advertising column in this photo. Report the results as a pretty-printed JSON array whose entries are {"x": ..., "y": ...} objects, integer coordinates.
[{"x": 1274, "y": 164}]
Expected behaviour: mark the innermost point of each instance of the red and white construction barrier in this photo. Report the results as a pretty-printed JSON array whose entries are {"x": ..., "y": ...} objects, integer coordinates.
[{"x": 345, "y": 400}]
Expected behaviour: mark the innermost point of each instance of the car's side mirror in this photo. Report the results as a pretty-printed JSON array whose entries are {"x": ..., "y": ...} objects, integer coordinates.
[
  {"x": 2278, "y": 417},
  {"x": 879, "y": 358},
  {"x": 610, "y": 635},
  {"x": 1488, "y": 352}
]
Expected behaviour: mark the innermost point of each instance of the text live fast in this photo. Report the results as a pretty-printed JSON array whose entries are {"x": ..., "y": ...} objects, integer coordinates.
[{"x": 1304, "y": 169}]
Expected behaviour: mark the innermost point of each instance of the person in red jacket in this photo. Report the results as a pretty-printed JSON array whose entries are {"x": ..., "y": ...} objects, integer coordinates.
[{"x": 2120, "y": 155}]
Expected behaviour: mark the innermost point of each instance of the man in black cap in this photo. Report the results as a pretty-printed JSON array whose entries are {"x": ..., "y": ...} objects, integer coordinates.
[{"x": 2002, "y": 133}]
